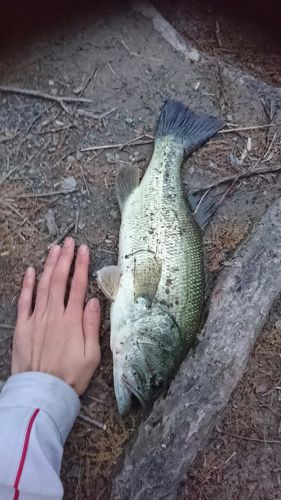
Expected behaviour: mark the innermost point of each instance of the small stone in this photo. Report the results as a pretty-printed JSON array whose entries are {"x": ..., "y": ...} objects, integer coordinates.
[
  {"x": 112, "y": 158},
  {"x": 78, "y": 155},
  {"x": 261, "y": 388},
  {"x": 59, "y": 123},
  {"x": 69, "y": 183},
  {"x": 70, "y": 159},
  {"x": 114, "y": 214},
  {"x": 51, "y": 83},
  {"x": 129, "y": 121},
  {"x": 278, "y": 325},
  {"x": 51, "y": 223},
  {"x": 196, "y": 85},
  {"x": 234, "y": 160}
]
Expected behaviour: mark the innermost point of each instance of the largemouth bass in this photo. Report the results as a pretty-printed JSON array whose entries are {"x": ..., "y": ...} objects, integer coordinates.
[{"x": 157, "y": 288}]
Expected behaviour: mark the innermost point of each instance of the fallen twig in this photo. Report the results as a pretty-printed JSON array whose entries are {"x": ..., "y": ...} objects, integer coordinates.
[
  {"x": 55, "y": 130},
  {"x": 254, "y": 440},
  {"x": 9, "y": 337},
  {"x": 46, "y": 195},
  {"x": 6, "y": 327},
  {"x": 7, "y": 175},
  {"x": 76, "y": 222},
  {"x": 97, "y": 400},
  {"x": 230, "y": 178},
  {"x": 43, "y": 95},
  {"x": 249, "y": 127},
  {"x": 80, "y": 90},
  {"x": 219, "y": 467},
  {"x": 62, "y": 235},
  {"x": 92, "y": 421},
  {"x": 94, "y": 116},
  {"x": 120, "y": 145},
  {"x": 131, "y": 52},
  {"x": 9, "y": 138}
]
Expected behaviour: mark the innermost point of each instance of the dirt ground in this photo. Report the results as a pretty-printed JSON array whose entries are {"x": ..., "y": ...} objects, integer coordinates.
[{"x": 113, "y": 56}]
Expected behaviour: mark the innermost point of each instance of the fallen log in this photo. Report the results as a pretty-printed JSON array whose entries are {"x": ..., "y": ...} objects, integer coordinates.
[{"x": 179, "y": 425}]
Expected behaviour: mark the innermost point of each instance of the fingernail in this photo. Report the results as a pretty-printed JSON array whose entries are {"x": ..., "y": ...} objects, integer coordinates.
[
  {"x": 29, "y": 271},
  {"x": 55, "y": 250},
  {"x": 94, "y": 305},
  {"x": 83, "y": 249},
  {"x": 68, "y": 241}
]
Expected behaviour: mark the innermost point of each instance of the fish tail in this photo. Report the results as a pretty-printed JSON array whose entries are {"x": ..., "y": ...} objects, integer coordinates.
[{"x": 192, "y": 130}]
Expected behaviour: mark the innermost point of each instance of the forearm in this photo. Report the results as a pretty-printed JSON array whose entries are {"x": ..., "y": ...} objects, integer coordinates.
[{"x": 37, "y": 412}]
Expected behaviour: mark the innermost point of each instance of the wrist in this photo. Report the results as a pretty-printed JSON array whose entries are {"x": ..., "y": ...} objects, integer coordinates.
[{"x": 49, "y": 394}]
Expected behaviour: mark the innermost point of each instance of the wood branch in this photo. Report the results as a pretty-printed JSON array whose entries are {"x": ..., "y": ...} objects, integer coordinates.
[
  {"x": 43, "y": 95},
  {"x": 237, "y": 177},
  {"x": 92, "y": 421},
  {"x": 180, "y": 424},
  {"x": 133, "y": 142},
  {"x": 248, "y": 127}
]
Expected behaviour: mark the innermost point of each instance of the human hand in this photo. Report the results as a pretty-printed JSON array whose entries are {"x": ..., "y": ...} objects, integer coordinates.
[{"x": 53, "y": 338}]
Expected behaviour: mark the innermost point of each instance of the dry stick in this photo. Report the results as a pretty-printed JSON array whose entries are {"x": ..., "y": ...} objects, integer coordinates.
[
  {"x": 7, "y": 175},
  {"x": 54, "y": 130},
  {"x": 250, "y": 127},
  {"x": 6, "y": 338},
  {"x": 255, "y": 440},
  {"x": 112, "y": 146},
  {"x": 24, "y": 219},
  {"x": 92, "y": 421},
  {"x": 84, "y": 179},
  {"x": 133, "y": 141},
  {"x": 10, "y": 138},
  {"x": 235, "y": 178},
  {"x": 43, "y": 95},
  {"x": 94, "y": 116},
  {"x": 63, "y": 235},
  {"x": 46, "y": 195},
  {"x": 76, "y": 222},
  {"x": 6, "y": 327},
  {"x": 131, "y": 52},
  {"x": 81, "y": 89}
]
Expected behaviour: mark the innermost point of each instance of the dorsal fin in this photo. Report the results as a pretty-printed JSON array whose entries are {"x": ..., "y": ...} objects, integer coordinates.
[{"x": 126, "y": 181}]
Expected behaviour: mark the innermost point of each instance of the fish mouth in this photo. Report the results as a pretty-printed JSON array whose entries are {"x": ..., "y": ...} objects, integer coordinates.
[{"x": 124, "y": 392}]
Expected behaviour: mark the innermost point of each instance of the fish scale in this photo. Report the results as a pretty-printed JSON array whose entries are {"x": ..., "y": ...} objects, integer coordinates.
[{"x": 157, "y": 289}]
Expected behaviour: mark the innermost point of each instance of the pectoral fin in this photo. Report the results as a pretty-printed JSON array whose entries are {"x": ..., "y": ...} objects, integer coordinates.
[
  {"x": 126, "y": 181},
  {"x": 147, "y": 274},
  {"x": 108, "y": 281}
]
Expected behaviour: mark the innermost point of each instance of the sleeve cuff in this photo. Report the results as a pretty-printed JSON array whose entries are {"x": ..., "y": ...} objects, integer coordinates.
[{"x": 46, "y": 392}]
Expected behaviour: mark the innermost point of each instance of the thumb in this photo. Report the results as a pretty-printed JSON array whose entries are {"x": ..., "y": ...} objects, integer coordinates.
[{"x": 91, "y": 327}]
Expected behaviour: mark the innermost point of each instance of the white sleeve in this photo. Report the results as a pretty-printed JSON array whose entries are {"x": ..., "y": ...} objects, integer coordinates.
[{"x": 37, "y": 412}]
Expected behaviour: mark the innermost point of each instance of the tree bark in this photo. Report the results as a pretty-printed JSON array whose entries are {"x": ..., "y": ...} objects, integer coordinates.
[{"x": 179, "y": 425}]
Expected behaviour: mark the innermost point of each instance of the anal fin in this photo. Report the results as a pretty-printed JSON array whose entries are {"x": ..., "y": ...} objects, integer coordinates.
[{"x": 126, "y": 181}]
